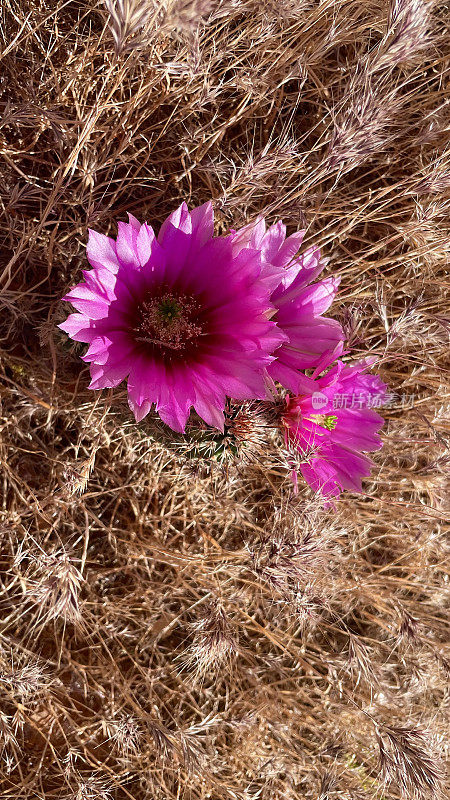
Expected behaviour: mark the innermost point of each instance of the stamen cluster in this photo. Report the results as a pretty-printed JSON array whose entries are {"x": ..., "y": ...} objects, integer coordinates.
[{"x": 169, "y": 322}]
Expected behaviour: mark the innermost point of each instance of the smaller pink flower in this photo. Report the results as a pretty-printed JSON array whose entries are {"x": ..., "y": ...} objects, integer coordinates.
[
  {"x": 332, "y": 427},
  {"x": 299, "y": 302}
]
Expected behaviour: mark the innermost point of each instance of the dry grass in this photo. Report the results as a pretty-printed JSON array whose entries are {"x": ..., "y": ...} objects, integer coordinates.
[{"x": 171, "y": 627}]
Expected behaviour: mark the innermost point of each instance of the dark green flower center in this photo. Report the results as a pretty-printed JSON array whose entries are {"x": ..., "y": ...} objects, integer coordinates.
[{"x": 168, "y": 309}]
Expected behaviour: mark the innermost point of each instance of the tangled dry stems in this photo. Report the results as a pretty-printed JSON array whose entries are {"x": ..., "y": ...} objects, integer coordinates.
[{"x": 172, "y": 626}]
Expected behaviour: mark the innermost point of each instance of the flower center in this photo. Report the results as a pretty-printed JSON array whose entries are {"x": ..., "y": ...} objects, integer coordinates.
[
  {"x": 169, "y": 321},
  {"x": 328, "y": 422}
]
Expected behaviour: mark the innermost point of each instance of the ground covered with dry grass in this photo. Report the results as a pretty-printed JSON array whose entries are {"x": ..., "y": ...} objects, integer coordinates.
[{"x": 174, "y": 626}]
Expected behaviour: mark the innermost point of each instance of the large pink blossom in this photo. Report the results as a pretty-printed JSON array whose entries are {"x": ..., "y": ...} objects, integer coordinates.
[
  {"x": 186, "y": 318},
  {"x": 331, "y": 429},
  {"x": 299, "y": 302}
]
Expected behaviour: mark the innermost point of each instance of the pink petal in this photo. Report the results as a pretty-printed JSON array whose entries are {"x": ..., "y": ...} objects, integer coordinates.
[
  {"x": 289, "y": 249},
  {"x": 101, "y": 281},
  {"x": 311, "y": 300},
  {"x": 179, "y": 219},
  {"x": 101, "y": 251},
  {"x": 108, "y": 376},
  {"x": 202, "y": 219},
  {"x": 272, "y": 241},
  {"x": 208, "y": 411},
  {"x": 87, "y": 301},
  {"x": 250, "y": 236},
  {"x": 134, "y": 222},
  {"x": 78, "y": 327},
  {"x": 290, "y": 378},
  {"x": 145, "y": 244},
  {"x": 139, "y": 411},
  {"x": 126, "y": 244}
]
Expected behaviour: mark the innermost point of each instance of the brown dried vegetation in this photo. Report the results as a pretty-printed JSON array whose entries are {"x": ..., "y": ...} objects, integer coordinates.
[{"x": 176, "y": 627}]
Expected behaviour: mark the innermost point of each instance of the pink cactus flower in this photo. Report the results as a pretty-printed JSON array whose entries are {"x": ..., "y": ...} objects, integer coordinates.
[
  {"x": 299, "y": 303},
  {"x": 330, "y": 429},
  {"x": 183, "y": 316}
]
